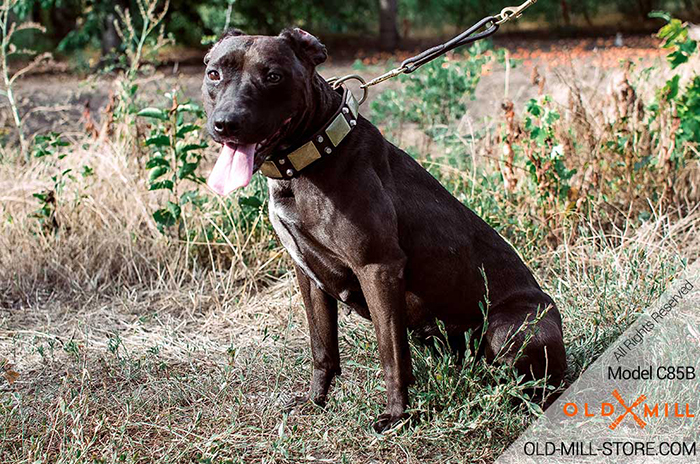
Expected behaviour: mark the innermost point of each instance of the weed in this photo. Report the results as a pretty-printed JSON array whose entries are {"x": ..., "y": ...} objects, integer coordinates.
[
  {"x": 135, "y": 33},
  {"x": 8, "y": 30},
  {"x": 174, "y": 159}
]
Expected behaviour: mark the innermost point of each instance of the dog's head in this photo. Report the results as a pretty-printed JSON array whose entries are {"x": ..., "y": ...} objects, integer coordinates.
[{"x": 255, "y": 89}]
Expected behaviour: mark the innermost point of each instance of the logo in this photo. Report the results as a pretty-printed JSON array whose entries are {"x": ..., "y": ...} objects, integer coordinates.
[
  {"x": 638, "y": 410},
  {"x": 628, "y": 410}
]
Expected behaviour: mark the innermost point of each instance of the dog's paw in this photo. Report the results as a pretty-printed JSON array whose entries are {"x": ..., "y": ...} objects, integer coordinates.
[
  {"x": 296, "y": 402},
  {"x": 387, "y": 421},
  {"x": 301, "y": 400}
]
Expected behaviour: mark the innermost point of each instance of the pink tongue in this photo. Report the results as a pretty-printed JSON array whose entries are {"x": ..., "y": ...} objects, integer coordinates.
[{"x": 233, "y": 169}]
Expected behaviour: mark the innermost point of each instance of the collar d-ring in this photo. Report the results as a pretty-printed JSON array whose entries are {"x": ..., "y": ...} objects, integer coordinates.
[{"x": 338, "y": 81}]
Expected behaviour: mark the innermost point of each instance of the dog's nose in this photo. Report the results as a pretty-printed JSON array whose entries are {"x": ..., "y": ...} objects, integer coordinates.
[
  {"x": 226, "y": 125},
  {"x": 219, "y": 126}
]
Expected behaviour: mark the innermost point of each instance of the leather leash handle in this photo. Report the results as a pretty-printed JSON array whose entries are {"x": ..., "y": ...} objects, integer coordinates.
[{"x": 466, "y": 37}]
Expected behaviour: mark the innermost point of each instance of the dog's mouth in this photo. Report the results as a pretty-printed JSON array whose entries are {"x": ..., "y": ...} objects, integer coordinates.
[{"x": 238, "y": 161}]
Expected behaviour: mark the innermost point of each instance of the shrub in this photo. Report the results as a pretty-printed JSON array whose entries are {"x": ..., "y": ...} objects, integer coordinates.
[{"x": 174, "y": 159}]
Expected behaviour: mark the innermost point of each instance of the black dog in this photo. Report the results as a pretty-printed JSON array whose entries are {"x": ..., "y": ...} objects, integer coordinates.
[{"x": 364, "y": 222}]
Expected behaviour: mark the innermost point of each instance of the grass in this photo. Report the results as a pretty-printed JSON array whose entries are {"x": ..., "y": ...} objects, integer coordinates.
[
  {"x": 176, "y": 373},
  {"x": 134, "y": 346}
]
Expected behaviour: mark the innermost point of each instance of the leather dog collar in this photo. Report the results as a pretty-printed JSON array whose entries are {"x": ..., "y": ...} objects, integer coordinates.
[{"x": 322, "y": 143}]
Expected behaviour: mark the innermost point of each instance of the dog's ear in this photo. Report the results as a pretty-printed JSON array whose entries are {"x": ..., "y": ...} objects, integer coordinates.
[
  {"x": 234, "y": 32},
  {"x": 306, "y": 46}
]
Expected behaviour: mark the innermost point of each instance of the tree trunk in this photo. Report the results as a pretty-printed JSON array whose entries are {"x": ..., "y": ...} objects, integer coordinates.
[
  {"x": 690, "y": 7},
  {"x": 587, "y": 16},
  {"x": 388, "y": 32},
  {"x": 110, "y": 38},
  {"x": 60, "y": 20},
  {"x": 646, "y": 7},
  {"x": 565, "y": 12}
]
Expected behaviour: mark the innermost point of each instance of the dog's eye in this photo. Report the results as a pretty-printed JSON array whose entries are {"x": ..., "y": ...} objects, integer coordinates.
[
  {"x": 274, "y": 77},
  {"x": 213, "y": 75}
]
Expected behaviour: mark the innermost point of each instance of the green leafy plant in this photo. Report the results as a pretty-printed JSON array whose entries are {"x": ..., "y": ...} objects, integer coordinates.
[
  {"x": 48, "y": 146},
  {"x": 175, "y": 154},
  {"x": 676, "y": 111},
  {"x": 579, "y": 167},
  {"x": 135, "y": 33},
  {"x": 689, "y": 116},
  {"x": 538, "y": 144},
  {"x": 675, "y": 37},
  {"x": 91, "y": 17},
  {"x": 545, "y": 154},
  {"x": 437, "y": 92}
]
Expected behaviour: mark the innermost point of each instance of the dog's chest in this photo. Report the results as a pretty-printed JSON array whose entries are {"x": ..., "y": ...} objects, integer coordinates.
[
  {"x": 308, "y": 242},
  {"x": 286, "y": 222}
]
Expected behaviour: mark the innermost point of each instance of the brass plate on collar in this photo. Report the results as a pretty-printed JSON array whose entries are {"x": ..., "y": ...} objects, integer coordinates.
[
  {"x": 338, "y": 129},
  {"x": 269, "y": 169},
  {"x": 353, "y": 104},
  {"x": 304, "y": 156}
]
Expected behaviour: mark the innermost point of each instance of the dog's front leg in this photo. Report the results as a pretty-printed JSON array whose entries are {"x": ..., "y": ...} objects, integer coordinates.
[
  {"x": 322, "y": 315},
  {"x": 383, "y": 286}
]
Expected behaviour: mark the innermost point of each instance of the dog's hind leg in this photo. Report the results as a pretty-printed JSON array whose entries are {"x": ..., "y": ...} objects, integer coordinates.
[
  {"x": 529, "y": 340},
  {"x": 322, "y": 316}
]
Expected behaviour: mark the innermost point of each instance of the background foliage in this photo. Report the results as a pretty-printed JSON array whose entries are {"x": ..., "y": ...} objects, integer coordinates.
[{"x": 73, "y": 24}]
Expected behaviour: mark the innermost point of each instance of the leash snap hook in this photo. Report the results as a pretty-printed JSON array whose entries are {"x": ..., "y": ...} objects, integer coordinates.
[
  {"x": 513, "y": 12},
  {"x": 336, "y": 82}
]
